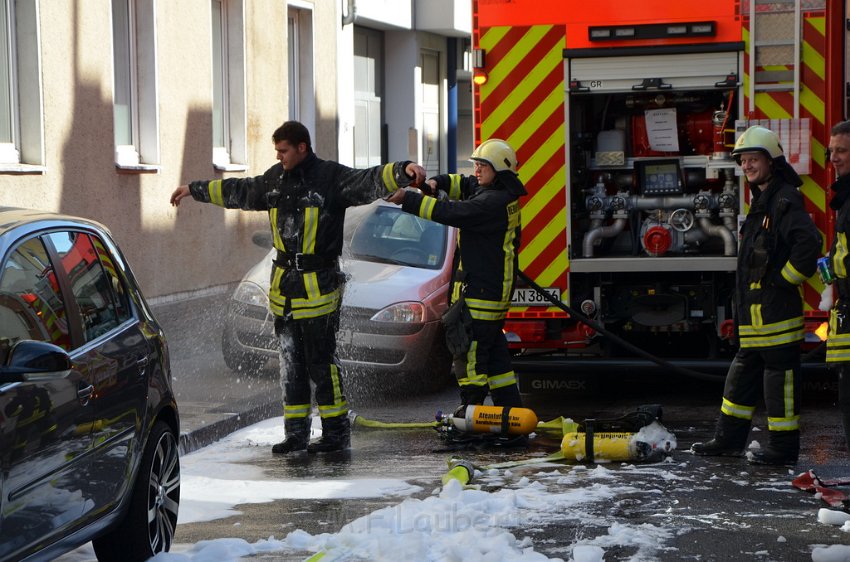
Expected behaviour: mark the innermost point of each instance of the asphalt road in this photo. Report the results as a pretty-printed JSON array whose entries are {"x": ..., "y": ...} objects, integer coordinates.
[{"x": 724, "y": 509}]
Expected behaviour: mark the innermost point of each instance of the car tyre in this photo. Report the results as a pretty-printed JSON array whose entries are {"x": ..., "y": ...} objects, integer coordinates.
[
  {"x": 151, "y": 519},
  {"x": 238, "y": 361}
]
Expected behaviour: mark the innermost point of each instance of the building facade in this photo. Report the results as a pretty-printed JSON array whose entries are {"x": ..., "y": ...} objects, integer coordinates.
[{"x": 106, "y": 106}]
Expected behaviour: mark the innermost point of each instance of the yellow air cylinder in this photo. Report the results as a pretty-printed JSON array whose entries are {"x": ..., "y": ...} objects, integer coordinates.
[
  {"x": 495, "y": 419},
  {"x": 605, "y": 446}
]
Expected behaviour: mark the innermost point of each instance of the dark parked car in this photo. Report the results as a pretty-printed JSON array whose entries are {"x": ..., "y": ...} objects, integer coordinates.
[
  {"x": 399, "y": 268},
  {"x": 88, "y": 422}
]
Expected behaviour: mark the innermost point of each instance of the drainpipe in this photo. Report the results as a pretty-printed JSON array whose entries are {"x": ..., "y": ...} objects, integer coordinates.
[
  {"x": 351, "y": 16},
  {"x": 451, "y": 109}
]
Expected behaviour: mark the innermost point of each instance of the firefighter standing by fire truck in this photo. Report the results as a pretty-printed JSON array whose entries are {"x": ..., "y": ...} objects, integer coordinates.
[
  {"x": 778, "y": 252},
  {"x": 486, "y": 210},
  {"x": 838, "y": 343},
  {"x": 306, "y": 198}
]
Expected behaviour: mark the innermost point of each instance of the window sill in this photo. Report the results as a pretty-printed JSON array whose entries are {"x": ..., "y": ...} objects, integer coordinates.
[
  {"x": 9, "y": 168},
  {"x": 137, "y": 168},
  {"x": 230, "y": 167}
]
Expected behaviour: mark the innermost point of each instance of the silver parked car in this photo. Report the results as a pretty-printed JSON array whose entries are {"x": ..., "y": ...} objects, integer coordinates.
[{"x": 399, "y": 271}]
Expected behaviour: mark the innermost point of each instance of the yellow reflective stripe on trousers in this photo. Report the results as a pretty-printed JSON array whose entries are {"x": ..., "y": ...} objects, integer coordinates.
[
  {"x": 788, "y": 393},
  {"x": 426, "y": 207},
  {"x": 737, "y": 410},
  {"x": 340, "y": 406},
  {"x": 292, "y": 411},
  {"x": 473, "y": 377},
  {"x": 389, "y": 178},
  {"x": 503, "y": 380},
  {"x": 454, "y": 186},
  {"x": 214, "y": 189},
  {"x": 334, "y": 410},
  {"x": 841, "y": 250},
  {"x": 783, "y": 424}
]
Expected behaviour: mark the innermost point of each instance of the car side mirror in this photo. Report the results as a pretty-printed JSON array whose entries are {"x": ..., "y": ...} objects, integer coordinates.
[
  {"x": 30, "y": 356},
  {"x": 263, "y": 239}
]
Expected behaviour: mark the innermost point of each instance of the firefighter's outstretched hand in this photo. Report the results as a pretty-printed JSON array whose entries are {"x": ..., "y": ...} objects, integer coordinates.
[
  {"x": 416, "y": 173},
  {"x": 429, "y": 187},
  {"x": 396, "y": 197},
  {"x": 179, "y": 194}
]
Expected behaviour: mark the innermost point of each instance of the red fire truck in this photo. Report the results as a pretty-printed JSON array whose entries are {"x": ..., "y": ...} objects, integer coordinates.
[{"x": 623, "y": 115}]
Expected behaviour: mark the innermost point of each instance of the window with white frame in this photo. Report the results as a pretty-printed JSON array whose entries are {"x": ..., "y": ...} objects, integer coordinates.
[
  {"x": 228, "y": 71},
  {"x": 135, "y": 86},
  {"x": 21, "y": 116},
  {"x": 302, "y": 99}
]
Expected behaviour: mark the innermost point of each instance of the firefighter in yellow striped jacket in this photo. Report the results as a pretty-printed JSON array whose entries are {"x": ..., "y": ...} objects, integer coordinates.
[
  {"x": 838, "y": 343},
  {"x": 778, "y": 251},
  {"x": 486, "y": 210},
  {"x": 306, "y": 198}
]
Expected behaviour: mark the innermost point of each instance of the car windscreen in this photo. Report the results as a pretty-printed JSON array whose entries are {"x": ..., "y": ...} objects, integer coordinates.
[{"x": 389, "y": 235}]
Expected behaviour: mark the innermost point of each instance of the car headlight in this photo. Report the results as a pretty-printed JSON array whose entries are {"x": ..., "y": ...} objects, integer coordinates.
[
  {"x": 402, "y": 313},
  {"x": 251, "y": 293}
]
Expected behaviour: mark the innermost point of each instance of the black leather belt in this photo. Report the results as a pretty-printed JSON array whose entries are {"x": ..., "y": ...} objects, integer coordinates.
[{"x": 304, "y": 262}]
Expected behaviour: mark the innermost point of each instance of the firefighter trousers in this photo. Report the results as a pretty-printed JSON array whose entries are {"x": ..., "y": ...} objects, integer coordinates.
[
  {"x": 308, "y": 353},
  {"x": 843, "y": 371},
  {"x": 487, "y": 366},
  {"x": 773, "y": 371}
]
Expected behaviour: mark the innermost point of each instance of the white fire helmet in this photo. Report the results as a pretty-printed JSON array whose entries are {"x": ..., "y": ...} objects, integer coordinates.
[{"x": 497, "y": 153}]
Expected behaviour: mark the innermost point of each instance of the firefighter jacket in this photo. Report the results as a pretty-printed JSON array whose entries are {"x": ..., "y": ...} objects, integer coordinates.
[
  {"x": 778, "y": 252},
  {"x": 488, "y": 242},
  {"x": 306, "y": 207},
  {"x": 838, "y": 343}
]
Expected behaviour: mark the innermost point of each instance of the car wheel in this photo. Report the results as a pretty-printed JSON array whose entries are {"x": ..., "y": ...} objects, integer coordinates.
[
  {"x": 240, "y": 361},
  {"x": 149, "y": 525}
]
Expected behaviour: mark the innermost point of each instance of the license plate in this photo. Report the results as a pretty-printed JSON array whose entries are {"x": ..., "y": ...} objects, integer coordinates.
[{"x": 530, "y": 297}]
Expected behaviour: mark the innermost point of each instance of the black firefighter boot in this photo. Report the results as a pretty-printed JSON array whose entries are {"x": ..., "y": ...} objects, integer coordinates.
[
  {"x": 297, "y": 434},
  {"x": 730, "y": 437},
  {"x": 783, "y": 447},
  {"x": 336, "y": 435},
  {"x": 473, "y": 395}
]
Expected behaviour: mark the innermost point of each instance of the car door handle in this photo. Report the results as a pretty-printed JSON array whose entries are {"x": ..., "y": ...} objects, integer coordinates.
[
  {"x": 142, "y": 362},
  {"x": 84, "y": 393}
]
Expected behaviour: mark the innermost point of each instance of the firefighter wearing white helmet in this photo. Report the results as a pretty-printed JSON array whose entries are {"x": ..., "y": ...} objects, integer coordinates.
[
  {"x": 485, "y": 208},
  {"x": 778, "y": 252},
  {"x": 497, "y": 153}
]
